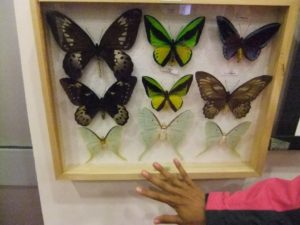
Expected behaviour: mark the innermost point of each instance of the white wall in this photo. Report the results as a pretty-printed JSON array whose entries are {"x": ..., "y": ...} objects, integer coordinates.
[
  {"x": 97, "y": 203},
  {"x": 14, "y": 128}
]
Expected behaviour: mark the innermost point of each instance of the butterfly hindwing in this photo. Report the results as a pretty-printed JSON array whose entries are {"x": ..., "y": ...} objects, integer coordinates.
[
  {"x": 234, "y": 136},
  {"x": 213, "y": 92},
  {"x": 82, "y": 96}
]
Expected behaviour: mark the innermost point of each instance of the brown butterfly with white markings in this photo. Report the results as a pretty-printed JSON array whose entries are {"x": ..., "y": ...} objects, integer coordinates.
[
  {"x": 80, "y": 48},
  {"x": 216, "y": 96}
]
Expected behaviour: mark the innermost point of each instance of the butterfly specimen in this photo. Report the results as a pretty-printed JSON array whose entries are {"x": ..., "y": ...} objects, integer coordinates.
[
  {"x": 117, "y": 95},
  {"x": 216, "y": 96},
  {"x": 159, "y": 96},
  {"x": 152, "y": 129},
  {"x": 250, "y": 46},
  {"x": 168, "y": 49},
  {"x": 215, "y": 135},
  {"x": 80, "y": 49},
  {"x": 96, "y": 144}
]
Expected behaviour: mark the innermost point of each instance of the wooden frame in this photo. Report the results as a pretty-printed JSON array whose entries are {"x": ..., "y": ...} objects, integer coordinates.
[{"x": 198, "y": 171}]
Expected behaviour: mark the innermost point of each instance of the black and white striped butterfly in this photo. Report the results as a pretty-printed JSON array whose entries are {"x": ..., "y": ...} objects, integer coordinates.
[
  {"x": 81, "y": 49},
  {"x": 113, "y": 101}
]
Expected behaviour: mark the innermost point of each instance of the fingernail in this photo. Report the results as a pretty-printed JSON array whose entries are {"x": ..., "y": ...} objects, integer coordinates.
[
  {"x": 139, "y": 189},
  {"x": 177, "y": 162},
  {"x": 157, "y": 165},
  {"x": 156, "y": 221},
  {"x": 145, "y": 173}
]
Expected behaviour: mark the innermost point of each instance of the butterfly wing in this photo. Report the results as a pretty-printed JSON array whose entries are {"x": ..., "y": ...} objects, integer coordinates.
[
  {"x": 160, "y": 39},
  {"x": 258, "y": 39},
  {"x": 121, "y": 35},
  {"x": 229, "y": 36},
  {"x": 149, "y": 128},
  {"x": 122, "y": 32},
  {"x": 213, "y": 92},
  {"x": 234, "y": 136},
  {"x": 154, "y": 91},
  {"x": 93, "y": 142},
  {"x": 177, "y": 129},
  {"x": 113, "y": 141},
  {"x": 82, "y": 96},
  {"x": 179, "y": 89},
  {"x": 188, "y": 38},
  {"x": 117, "y": 96},
  {"x": 240, "y": 99},
  {"x": 213, "y": 135},
  {"x": 73, "y": 40}
]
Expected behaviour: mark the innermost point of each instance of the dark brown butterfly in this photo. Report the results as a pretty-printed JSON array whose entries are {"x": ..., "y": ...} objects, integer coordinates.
[
  {"x": 216, "y": 96},
  {"x": 89, "y": 104},
  {"x": 81, "y": 49},
  {"x": 250, "y": 46}
]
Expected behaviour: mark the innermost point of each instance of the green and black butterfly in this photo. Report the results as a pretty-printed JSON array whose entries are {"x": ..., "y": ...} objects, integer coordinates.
[
  {"x": 168, "y": 49},
  {"x": 81, "y": 49},
  {"x": 117, "y": 95},
  {"x": 159, "y": 96},
  {"x": 250, "y": 46}
]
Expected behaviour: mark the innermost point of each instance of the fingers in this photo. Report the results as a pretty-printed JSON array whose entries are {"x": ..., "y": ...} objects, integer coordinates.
[
  {"x": 170, "y": 178},
  {"x": 168, "y": 219},
  {"x": 159, "y": 196},
  {"x": 161, "y": 183},
  {"x": 184, "y": 175}
]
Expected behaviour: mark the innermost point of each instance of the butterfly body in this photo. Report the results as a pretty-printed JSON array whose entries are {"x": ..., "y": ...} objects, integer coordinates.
[
  {"x": 80, "y": 48},
  {"x": 216, "y": 96},
  {"x": 250, "y": 46},
  {"x": 168, "y": 49},
  {"x": 113, "y": 101},
  {"x": 159, "y": 96}
]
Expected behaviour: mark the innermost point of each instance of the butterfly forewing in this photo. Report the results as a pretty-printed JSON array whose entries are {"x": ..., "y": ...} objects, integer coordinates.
[
  {"x": 68, "y": 35},
  {"x": 234, "y": 136},
  {"x": 258, "y": 39},
  {"x": 213, "y": 92},
  {"x": 123, "y": 31},
  {"x": 226, "y": 30},
  {"x": 239, "y": 100}
]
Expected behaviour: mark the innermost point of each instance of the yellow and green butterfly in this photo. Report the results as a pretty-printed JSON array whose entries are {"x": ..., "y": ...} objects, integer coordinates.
[
  {"x": 168, "y": 49},
  {"x": 159, "y": 96}
]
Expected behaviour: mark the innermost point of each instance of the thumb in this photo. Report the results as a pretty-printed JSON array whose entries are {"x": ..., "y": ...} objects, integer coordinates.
[{"x": 168, "y": 219}]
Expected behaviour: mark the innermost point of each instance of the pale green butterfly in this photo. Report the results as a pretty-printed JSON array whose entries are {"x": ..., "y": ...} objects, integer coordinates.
[
  {"x": 152, "y": 129},
  {"x": 96, "y": 144},
  {"x": 215, "y": 135}
]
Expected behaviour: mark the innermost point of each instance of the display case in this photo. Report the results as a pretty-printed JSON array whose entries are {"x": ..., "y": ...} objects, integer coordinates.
[{"x": 91, "y": 134}]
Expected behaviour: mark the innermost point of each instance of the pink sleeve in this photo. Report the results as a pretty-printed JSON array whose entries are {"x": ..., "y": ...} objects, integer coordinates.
[{"x": 271, "y": 194}]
